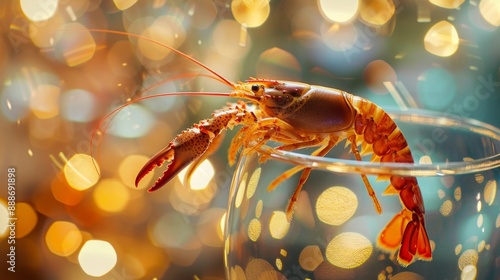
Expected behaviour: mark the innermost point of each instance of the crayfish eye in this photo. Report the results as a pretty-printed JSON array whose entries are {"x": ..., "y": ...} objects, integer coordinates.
[{"x": 257, "y": 89}]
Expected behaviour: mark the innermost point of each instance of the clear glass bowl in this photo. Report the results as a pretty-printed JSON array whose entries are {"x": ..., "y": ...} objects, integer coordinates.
[{"x": 334, "y": 229}]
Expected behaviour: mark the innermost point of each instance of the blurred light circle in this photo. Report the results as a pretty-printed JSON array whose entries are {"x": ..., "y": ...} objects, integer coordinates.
[
  {"x": 348, "y": 250},
  {"x": 376, "y": 73},
  {"x": 131, "y": 122},
  {"x": 338, "y": 10},
  {"x": 111, "y": 195},
  {"x": 448, "y": 4},
  {"x": 278, "y": 225},
  {"x": 78, "y": 105},
  {"x": 490, "y": 11},
  {"x": 39, "y": 10},
  {"x": 42, "y": 34},
  {"x": 128, "y": 169},
  {"x": 44, "y": 102},
  {"x": 29, "y": 219},
  {"x": 15, "y": 99},
  {"x": 4, "y": 215},
  {"x": 377, "y": 12},
  {"x": 202, "y": 13},
  {"x": 226, "y": 39},
  {"x": 340, "y": 37},
  {"x": 63, "y": 238},
  {"x": 65, "y": 193},
  {"x": 276, "y": 63},
  {"x": 442, "y": 39},
  {"x": 166, "y": 30},
  {"x": 124, "y": 4},
  {"x": 80, "y": 171},
  {"x": 97, "y": 257},
  {"x": 336, "y": 205},
  {"x": 75, "y": 44},
  {"x": 250, "y": 13},
  {"x": 436, "y": 88}
]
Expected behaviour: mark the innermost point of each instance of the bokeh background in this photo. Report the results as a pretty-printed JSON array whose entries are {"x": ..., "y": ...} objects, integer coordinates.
[{"x": 60, "y": 80}]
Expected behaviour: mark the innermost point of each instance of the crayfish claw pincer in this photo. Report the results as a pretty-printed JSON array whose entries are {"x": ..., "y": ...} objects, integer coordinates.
[{"x": 184, "y": 149}]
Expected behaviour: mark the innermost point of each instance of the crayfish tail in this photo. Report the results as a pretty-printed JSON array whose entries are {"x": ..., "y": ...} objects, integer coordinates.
[{"x": 406, "y": 233}]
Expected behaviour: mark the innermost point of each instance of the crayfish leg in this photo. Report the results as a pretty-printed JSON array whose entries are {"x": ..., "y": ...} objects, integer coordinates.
[{"x": 368, "y": 186}]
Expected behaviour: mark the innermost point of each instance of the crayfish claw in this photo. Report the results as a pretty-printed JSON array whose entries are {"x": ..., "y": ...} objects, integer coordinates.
[
  {"x": 166, "y": 154},
  {"x": 184, "y": 149}
]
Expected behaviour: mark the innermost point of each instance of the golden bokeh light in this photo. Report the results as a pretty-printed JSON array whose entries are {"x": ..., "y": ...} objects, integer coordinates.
[
  {"x": 348, "y": 250},
  {"x": 128, "y": 169},
  {"x": 338, "y": 10},
  {"x": 442, "y": 39},
  {"x": 202, "y": 176},
  {"x": 376, "y": 73},
  {"x": 63, "y": 238},
  {"x": 469, "y": 272},
  {"x": 457, "y": 193},
  {"x": 458, "y": 249},
  {"x": 42, "y": 34},
  {"x": 260, "y": 269},
  {"x": 480, "y": 246},
  {"x": 81, "y": 172},
  {"x": 276, "y": 63},
  {"x": 446, "y": 207},
  {"x": 253, "y": 183},
  {"x": 490, "y": 192},
  {"x": 407, "y": 275},
  {"x": 241, "y": 190},
  {"x": 310, "y": 257},
  {"x": 490, "y": 11},
  {"x": 479, "y": 178},
  {"x": 340, "y": 37},
  {"x": 448, "y": 4},
  {"x": 227, "y": 37},
  {"x": 237, "y": 273},
  {"x": 279, "y": 264},
  {"x": 468, "y": 257},
  {"x": 172, "y": 36},
  {"x": 441, "y": 194},
  {"x": 77, "y": 44},
  {"x": 258, "y": 208},
  {"x": 97, "y": 257},
  {"x": 251, "y": 13},
  {"x": 378, "y": 12},
  {"x": 4, "y": 215},
  {"x": 124, "y": 4},
  {"x": 111, "y": 195},
  {"x": 44, "y": 101},
  {"x": 37, "y": 11},
  {"x": 254, "y": 229},
  {"x": 64, "y": 192},
  {"x": 425, "y": 160},
  {"x": 336, "y": 205},
  {"x": 278, "y": 225},
  {"x": 28, "y": 221},
  {"x": 480, "y": 220}
]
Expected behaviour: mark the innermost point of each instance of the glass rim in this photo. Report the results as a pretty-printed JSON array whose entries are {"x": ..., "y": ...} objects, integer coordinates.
[{"x": 424, "y": 117}]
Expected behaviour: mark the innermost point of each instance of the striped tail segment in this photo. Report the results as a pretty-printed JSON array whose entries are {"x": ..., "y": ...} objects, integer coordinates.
[{"x": 377, "y": 133}]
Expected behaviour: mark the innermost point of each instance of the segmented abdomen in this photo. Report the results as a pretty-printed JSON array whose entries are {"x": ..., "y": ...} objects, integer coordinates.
[{"x": 376, "y": 132}]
